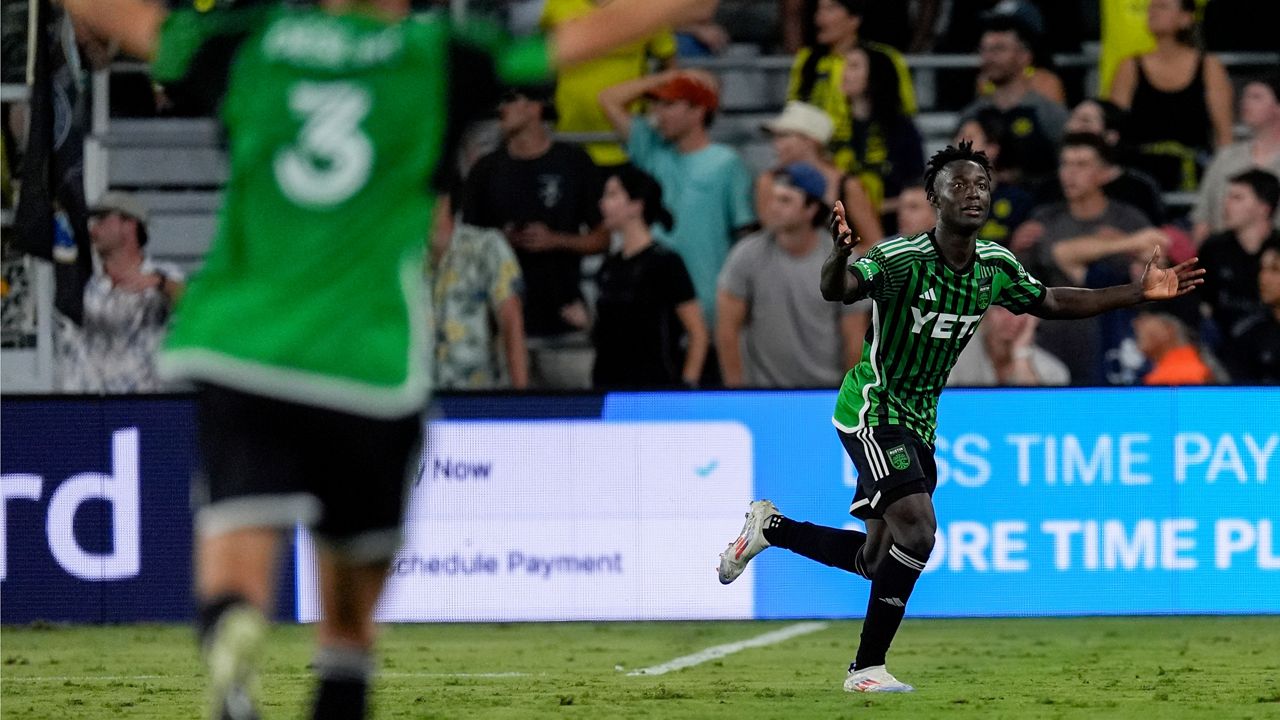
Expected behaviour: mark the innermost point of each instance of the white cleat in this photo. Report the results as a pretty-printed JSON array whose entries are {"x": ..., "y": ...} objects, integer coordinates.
[
  {"x": 231, "y": 655},
  {"x": 750, "y": 541},
  {"x": 874, "y": 679}
]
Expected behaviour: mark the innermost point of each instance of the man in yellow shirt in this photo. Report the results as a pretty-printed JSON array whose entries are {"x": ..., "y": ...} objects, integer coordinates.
[
  {"x": 817, "y": 71},
  {"x": 579, "y": 87}
]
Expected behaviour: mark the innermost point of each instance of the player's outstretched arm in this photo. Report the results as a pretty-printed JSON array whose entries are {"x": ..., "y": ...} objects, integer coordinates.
[
  {"x": 838, "y": 283},
  {"x": 1156, "y": 284},
  {"x": 134, "y": 24},
  {"x": 621, "y": 22}
]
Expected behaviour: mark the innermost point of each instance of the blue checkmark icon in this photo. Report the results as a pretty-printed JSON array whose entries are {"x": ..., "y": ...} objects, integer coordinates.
[{"x": 707, "y": 469}]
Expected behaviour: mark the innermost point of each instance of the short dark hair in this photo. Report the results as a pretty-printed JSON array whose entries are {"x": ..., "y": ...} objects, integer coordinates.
[
  {"x": 1264, "y": 184},
  {"x": 952, "y": 153},
  {"x": 1090, "y": 140},
  {"x": 640, "y": 185},
  {"x": 142, "y": 232},
  {"x": 1003, "y": 23}
]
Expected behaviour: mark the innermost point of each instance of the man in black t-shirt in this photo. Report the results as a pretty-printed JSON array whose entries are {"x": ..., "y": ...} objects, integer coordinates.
[
  {"x": 1230, "y": 258},
  {"x": 544, "y": 196},
  {"x": 1253, "y": 350}
]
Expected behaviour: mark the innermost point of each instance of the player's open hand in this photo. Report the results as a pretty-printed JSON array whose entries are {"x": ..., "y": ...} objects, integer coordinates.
[
  {"x": 1167, "y": 283},
  {"x": 841, "y": 234}
]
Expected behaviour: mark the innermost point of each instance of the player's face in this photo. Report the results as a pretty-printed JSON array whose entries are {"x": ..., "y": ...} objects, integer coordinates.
[
  {"x": 1241, "y": 207},
  {"x": 1080, "y": 172},
  {"x": 962, "y": 194},
  {"x": 792, "y": 147},
  {"x": 915, "y": 214},
  {"x": 788, "y": 210},
  {"x": 834, "y": 23},
  {"x": 1002, "y": 56},
  {"x": 1269, "y": 278},
  {"x": 857, "y": 73},
  {"x": 616, "y": 207},
  {"x": 1259, "y": 106}
]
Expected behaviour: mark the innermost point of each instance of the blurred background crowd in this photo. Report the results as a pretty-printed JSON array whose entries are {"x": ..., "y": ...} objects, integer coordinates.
[{"x": 657, "y": 218}]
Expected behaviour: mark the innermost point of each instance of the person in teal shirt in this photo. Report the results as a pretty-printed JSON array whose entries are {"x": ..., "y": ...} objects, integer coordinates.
[{"x": 708, "y": 187}]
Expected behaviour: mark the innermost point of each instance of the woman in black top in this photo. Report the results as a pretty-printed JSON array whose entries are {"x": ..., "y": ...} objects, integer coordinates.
[
  {"x": 649, "y": 330},
  {"x": 1179, "y": 99},
  {"x": 885, "y": 151}
]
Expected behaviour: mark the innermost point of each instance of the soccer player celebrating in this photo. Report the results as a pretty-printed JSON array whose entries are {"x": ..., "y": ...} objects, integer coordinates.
[
  {"x": 929, "y": 294},
  {"x": 305, "y": 329}
]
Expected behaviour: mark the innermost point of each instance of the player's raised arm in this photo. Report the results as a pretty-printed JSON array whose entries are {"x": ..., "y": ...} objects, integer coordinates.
[
  {"x": 621, "y": 22},
  {"x": 1156, "y": 284},
  {"x": 838, "y": 282},
  {"x": 134, "y": 24}
]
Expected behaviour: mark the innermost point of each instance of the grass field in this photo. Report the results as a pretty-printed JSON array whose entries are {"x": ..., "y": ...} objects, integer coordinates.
[{"x": 1217, "y": 667}]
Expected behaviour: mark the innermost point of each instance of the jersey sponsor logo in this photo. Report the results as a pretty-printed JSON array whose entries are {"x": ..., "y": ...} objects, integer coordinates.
[
  {"x": 944, "y": 326},
  {"x": 899, "y": 458},
  {"x": 868, "y": 268}
]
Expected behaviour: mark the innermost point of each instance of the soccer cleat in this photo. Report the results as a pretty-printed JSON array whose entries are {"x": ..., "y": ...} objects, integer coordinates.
[
  {"x": 230, "y": 653},
  {"x": 874, "y": 679},
  {"x": 750, "y": 541}
]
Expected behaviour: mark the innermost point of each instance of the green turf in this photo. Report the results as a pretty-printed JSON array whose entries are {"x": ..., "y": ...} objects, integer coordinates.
[{"x": 1148, "y": 668}]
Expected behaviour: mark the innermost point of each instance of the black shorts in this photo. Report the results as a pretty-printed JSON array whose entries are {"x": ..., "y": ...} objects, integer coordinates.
[
  {"x": 892, "y": 462},
  {"x": 272, "y": 463}
]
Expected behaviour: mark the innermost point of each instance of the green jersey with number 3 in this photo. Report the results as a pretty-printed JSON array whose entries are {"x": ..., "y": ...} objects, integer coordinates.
[
  {"x": 313, "y": 289},
  {"x": 923, "y": 315}
]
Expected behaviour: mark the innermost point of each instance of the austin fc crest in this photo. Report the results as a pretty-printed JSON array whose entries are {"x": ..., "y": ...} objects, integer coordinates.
[
  {"x": 899, "y": 458},
  {"x": 984, "y": 294}
]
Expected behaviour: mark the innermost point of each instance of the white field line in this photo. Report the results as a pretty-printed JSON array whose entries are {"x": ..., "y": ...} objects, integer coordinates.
[
  {"x": 718, "y": 651},
  {"x": 135, "y": 678}
]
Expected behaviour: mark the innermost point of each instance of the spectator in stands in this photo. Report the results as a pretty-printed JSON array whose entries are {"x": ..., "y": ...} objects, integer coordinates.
[
  {"x": 1004, "y": 352},
  {"x": 578, "y": 87},
  {"x": 479, "y": 319},
  {"x": 126, "y": 306},
  {"x": 1106, "y": 120},
  {"x": 1043, "y": 80},
  {"x": 1253, "y": 349},
  {"x": 1260, "y": 113},
  {"x": 915, "y": 213},
  {"x": 775, "y": 329},
  {"x": 1086, "y": 214},
  {"x": 801, "y": 134},
  {"x": 707, "y": 184},
  {"x": 1230, "y": 258},
  {"x": 1178, "y": 98},
  {"x": 649, "y": 330},
  {"x": 1011, "y": 204},
  {"x": 818, "y": 70},
  {"x": 884, "y": 151},
  {"x": 543, "y": 195},
  {"x": 1163, "y": 339},
  {"x": 1033, "y": 123}
]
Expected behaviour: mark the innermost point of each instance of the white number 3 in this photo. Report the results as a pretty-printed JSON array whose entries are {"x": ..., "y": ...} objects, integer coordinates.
[{"x": 332, "y": 157}]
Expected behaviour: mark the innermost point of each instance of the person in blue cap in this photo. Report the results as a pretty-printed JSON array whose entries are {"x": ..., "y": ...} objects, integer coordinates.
[{"x": 773, "y": 328}]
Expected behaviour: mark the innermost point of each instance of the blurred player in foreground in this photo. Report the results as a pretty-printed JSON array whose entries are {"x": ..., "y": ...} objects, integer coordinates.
[
  {"x": 929, "y": 291},
  {"x": 305, "y": 329}
]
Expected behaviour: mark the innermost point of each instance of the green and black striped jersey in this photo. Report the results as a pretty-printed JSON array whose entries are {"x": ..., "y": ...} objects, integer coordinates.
[{"x": 923, "y": 315}]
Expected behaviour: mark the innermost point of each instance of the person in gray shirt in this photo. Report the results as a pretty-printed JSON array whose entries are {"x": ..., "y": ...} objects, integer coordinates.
[
  {"x": 1097, "y": 230},
  {"x": 774, "y": 329}
]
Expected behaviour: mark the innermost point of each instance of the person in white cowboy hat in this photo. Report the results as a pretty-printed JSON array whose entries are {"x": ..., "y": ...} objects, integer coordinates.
[{"x": 801, "y": 134}]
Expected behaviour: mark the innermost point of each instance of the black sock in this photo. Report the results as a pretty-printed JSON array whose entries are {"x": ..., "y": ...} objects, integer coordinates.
[
  {"x": 890, "y": 590},
  {"x": 211, "y": 611},
  {"x": 829, "y": 546},
  {"x": 344, "y": 683}
]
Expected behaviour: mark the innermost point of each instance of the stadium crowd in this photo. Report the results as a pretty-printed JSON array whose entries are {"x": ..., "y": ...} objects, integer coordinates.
[{"x": 648, "y": 255}]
